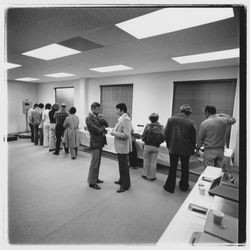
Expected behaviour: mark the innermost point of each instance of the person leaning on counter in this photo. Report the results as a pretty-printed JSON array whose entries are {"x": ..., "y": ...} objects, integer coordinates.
[{"x": 212, "y": 136}]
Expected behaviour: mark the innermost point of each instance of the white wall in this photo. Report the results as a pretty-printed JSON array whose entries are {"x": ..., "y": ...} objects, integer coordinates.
[
  {"x": 154, "y": 92},
  {"x": 46, "y": 94},
  {"x": 17, "y": 93}
]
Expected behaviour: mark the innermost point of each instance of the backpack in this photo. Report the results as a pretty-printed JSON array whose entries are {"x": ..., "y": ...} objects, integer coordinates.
[{"x": 154, "y": 135}]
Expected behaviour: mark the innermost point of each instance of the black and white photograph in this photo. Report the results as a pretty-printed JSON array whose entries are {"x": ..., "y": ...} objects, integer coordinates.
[{"x": 124, "y": 125}]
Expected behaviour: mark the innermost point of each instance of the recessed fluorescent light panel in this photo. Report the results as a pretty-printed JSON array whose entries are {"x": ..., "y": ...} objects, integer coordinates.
[
  {"x": 11, "y": 65},
  {"x": 173, "y": 19},
  {"x": 111, "y": 68},
  {"x": 51, "y": 52},
  {"x": 27, "y": 79},
  {"x": 58, "y": 75},
  {"x": 211, "y": 56}
]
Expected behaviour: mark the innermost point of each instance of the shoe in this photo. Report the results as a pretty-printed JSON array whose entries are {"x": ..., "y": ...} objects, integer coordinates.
[
  {"x": 55, "y": 153},
  {"x": 170, "y": 191},
  {"x": 152, "y": 179},
  {"x": 144, "y": 177},
  {"x": 117, "y": 182},
  {"x": 184, "y": 189},
  {"x": 121, "y": 190},
  {"x": 133, "y": 167},
  {"x": 73, "y": 158},
  {"x": 94, "y": 186},
  {"x": 99, "y": 181},
  {"x": 52, "y": 150}
]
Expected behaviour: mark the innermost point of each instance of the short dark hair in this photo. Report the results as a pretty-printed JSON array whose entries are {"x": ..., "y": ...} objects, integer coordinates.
[
  {"x": 72, "y": 110},
  {"x": 47, "y": 106},
  {"x": 55, "y": 106},
  {"x": 154, "y": 117},
  {"x": 35, "y": 105},
  {"x": 41, "y": 105},
  {"x": 95, "y": 105},
  {"x": 122, "y": 107},
  {"x": 210, "y": 109},
  {"x": 186, "y": 109}
]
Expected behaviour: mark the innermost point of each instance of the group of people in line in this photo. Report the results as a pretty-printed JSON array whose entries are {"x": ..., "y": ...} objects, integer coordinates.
[{"x": 54, "y": 125}]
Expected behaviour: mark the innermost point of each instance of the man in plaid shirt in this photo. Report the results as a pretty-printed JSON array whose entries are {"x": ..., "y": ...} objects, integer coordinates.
[{"x": 60, "y": 116}]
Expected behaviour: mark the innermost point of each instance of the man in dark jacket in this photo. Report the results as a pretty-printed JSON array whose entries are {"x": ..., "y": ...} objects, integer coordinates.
[
  {"x": 96, "y": 126},
  {"x": 180, "y": 137}
]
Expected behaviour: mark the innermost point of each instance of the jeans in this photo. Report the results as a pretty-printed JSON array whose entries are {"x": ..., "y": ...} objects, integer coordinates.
[
  {"x": 150, "y": 154},
  {"x": 32, "y": 131},
  {"x": 59, "y": 134},
  {"x": 213, "y": 157},
  {"x": 36, "y": 129}
]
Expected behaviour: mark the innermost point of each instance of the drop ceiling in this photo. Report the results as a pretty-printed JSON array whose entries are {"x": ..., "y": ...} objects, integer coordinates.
[{"x": 105, "y": 44}]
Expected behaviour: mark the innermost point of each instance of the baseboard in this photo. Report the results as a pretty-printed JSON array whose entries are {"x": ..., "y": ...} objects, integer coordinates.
[{"x": 12, "y": 137}]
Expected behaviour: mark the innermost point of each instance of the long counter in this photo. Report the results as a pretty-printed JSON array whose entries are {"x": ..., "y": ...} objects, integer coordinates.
[
  {"x": 186, "y": 223},
  {"x": 163, "y": 156}
]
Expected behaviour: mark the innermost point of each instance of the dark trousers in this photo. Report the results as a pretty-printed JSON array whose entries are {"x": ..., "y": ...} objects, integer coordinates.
[
  {"x": 133, "y": 156},
  {"x": 170, "y": 182},
  {"x": 94, "y": 165},
  {"x": 41, "y": 135},
  {"x": 124, "y": 170},
  {"x": 36, "y": 129},
  {"x": 32, "y": 131},
  {"x": 59, "y": 135}
]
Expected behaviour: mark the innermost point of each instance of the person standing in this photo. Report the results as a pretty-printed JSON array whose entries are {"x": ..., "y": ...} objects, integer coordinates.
[
  {"x": 52, "y": 127},
  {"x": 40, "y": 127},
  {"x": 123, "y": 145},
  {"x": 71, "y": 133},
  {"x": 153, "y": 136},
  {"x": 31, "y": 122},
  {"x": 96, "y": 125},
  {"x": 60, "y": 117},
  {"x": 212, "y": 135},
  {"x": 36, "y": 117},
  {"x": 133, "y": 159},
  {"x": 46, "y": 125},
  {"x": 180, "y": 136}
]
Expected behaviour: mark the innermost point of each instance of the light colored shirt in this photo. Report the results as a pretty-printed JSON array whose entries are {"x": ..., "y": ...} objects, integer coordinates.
[
  {"x": 45, "y": 117},
  {"x": 212, "y": 131},
  {"x": 30, "y": 115},
  {"x": 36, "y": 116}
]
